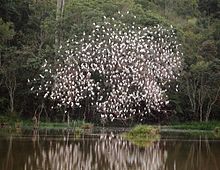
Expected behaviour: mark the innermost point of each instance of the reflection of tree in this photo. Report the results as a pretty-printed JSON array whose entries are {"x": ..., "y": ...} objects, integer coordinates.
[
  {"x": 46, "y": 150},
  {"x": 200, "y": 156},
  {"x": 8, "y": 160},
  {"x": 106, "y": 152},
  {"x": 192, "y": 155}
]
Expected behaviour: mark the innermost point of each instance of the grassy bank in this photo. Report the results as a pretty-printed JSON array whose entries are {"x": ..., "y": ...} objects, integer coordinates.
[
  {"x": 209, "y": 126},
  {"x": 13, "y": 122}
]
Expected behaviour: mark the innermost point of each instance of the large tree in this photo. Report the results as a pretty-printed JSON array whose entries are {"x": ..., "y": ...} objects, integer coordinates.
[{"x": 119, "y": 69}]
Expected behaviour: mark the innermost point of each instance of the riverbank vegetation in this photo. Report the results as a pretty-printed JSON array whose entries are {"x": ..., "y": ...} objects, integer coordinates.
[
  {"x": 19, "y": 123},
  {"x": 32, "y": 31},
  {"x": 142, "y": 135},
  {"x": 208, "y": 126}
]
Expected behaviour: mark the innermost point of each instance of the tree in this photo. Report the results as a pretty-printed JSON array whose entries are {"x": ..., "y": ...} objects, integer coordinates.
[
  {"x": 120, "y": 70},
  {"x": 202, "y": 88},
  {"x": 210, "y": 7},
  {"x": 26, "y": 34},
  {"x": 7, "y": 76},
  {"x": 6, "y": 34}
]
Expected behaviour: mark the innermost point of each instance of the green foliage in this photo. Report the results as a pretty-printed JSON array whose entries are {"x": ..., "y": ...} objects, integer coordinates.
[
  {"x": 199, "y": 67},
  {"x": 217, "y": 129},
  {"x": 31, "y": 32},
  {"x": 210, "y": 7},
  {"x": 208, "y": 50},
  {"x": 196, "y": 125},
  {"x": 143, "y": 131},
  {"x": 77, "y": 124},
  {"x": 6, "y": 31},
  {"x": 11, "y": 121},
  {"x": 142, "y": 135}
]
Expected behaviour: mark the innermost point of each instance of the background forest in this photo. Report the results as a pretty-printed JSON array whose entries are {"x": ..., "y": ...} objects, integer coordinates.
[{"x": 32, "y": 30}]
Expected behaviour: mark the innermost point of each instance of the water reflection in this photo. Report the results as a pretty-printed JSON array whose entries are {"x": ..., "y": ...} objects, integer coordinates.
[
  {"x": 191, "y": 154},
  {"x": 67, "y": 151},
  {"x": 106, "y": 152}
]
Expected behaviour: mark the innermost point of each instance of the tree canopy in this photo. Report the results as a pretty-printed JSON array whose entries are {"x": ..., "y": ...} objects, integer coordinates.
[{"x": 32, "y": 31}]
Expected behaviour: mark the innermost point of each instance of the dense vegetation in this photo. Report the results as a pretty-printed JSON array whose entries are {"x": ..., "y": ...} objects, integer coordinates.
[
  {"x": 143, "y": 135},
  {"x": 31, "y": 31}
]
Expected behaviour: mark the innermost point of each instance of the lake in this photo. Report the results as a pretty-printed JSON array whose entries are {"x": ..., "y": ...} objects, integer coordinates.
[{"x": 105, "y": 149}]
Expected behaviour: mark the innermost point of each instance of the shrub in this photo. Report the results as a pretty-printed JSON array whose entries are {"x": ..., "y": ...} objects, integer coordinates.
[{"x": 142, "y": 135}]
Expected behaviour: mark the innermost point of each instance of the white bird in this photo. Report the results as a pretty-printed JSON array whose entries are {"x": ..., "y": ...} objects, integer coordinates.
[{"x": 133, "y": 64}]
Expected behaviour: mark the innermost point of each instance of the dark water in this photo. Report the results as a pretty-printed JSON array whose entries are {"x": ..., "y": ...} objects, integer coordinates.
[{"x": 103, "y": 150}]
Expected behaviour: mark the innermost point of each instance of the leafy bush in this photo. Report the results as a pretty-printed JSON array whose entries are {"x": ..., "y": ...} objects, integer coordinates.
[{"x": 142, "y": 135}]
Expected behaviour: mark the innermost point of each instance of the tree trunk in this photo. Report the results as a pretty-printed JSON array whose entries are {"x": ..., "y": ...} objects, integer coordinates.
[
  {"x": 68, "y": 119},
  {"x": 191, "y": 92},
  {"x": 9, "y": 153},
  {"x": 210, "y": 104},
  {"x": 0, "y": 59},
  {"x": 11, "y": 94},
  {"x": 11, "y": 85},
  {"x": 202, "y": 94},
  {"x": 59, "y": 16}
]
